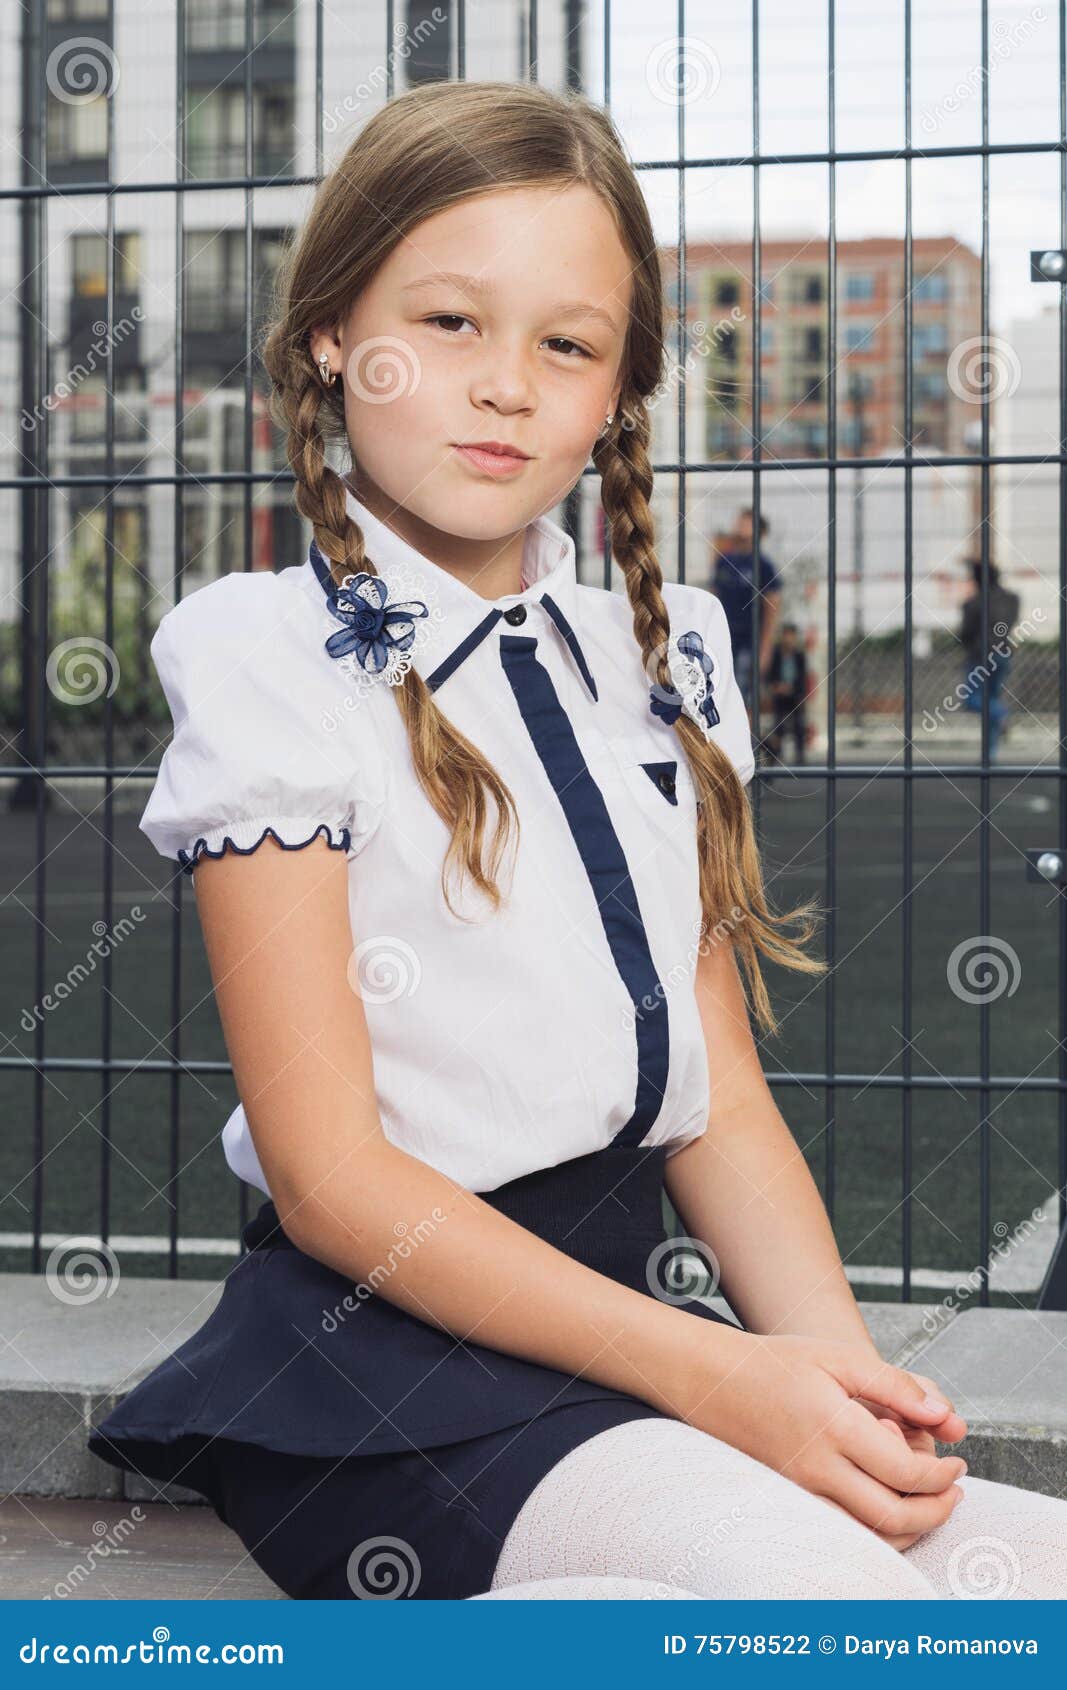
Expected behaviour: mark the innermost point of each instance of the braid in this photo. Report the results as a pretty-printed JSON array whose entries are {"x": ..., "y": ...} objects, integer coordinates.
[
  {"x": 730, "y": 874},
  {"x": 309, "y": 411}
]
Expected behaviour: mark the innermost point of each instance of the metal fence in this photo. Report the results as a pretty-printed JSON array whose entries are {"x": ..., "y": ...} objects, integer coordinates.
[{"x": 787, "y": 399}]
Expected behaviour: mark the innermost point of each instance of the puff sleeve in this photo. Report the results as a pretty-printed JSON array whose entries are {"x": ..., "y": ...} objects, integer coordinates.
[
  {"x": 694, "y": 607},
  {"x": 259, "y": 746}
]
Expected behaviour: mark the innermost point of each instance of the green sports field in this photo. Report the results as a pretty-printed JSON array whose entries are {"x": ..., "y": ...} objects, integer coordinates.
[{"x": 863, "y": 1121}]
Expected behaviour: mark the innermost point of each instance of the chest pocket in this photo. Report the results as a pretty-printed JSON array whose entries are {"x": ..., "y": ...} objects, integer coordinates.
[{"x": 656, "y": 773}]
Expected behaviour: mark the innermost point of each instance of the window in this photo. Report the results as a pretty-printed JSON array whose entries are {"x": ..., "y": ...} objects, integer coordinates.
[
  {"x": 76, "y": 132},
  {"x": 859, "y": 284},
  {"x": 89, "y": 262},
  {"x": 215, "y": 130},
  {"x": 929, "y": 339},
  {"x": 859, "y": 337},
  {"x": 727, "y": 291},
  {"x": 932, "y": 286},
  {"x": 808, "y": 288}
]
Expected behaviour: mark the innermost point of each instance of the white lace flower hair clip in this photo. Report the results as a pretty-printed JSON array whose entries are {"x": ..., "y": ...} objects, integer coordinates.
[{"x": 691, "y": 669}]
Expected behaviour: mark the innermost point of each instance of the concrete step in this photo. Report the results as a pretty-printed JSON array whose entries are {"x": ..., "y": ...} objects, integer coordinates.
[
  {"x": 60, "y": 1550},
  {"x": 65, "y": 1361}
]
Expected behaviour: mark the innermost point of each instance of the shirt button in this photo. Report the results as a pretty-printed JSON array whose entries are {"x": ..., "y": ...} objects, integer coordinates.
[
  {"x": 666, "y": 781},
  {"x": 515, "y": 615}
]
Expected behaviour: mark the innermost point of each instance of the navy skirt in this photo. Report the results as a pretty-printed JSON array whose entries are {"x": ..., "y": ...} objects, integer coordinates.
[{"x": 358, "y": 1451}]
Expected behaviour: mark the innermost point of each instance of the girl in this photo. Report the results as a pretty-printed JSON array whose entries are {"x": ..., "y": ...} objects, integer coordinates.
[{"x": 480, "y": 895}]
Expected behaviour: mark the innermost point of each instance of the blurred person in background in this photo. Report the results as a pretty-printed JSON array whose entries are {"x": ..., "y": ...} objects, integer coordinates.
[
  {"x": 988, "y": 666},
  {"x": 733, "y": 583},
  {"x": 787, "y": 682}
]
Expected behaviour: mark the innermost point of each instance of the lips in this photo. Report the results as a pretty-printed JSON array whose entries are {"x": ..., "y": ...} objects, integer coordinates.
[
  {"x": 492, "y": 459},
  {"x": 498, "y": 448}
]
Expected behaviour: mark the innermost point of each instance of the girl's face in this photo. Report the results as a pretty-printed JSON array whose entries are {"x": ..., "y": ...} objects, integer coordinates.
[{"x": 500, "y": 319}]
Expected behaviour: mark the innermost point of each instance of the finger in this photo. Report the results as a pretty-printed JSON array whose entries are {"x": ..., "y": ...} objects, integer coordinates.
[
  {"x": 885, "y": 1509},
  {"x": 891, "y": 1387},
  {"x": 916, "y": 1437},
  {"x": 890, "y": 1459},
  {"x": 895, "y": 1540},
  {"x": 954, "y": 1427}
]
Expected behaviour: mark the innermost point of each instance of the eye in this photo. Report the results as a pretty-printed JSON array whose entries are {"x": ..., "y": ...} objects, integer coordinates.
[
  {"x": 561, "y": 340},
  {"x": 443, "y": 317},
  {"x": 447, "y": 317}
]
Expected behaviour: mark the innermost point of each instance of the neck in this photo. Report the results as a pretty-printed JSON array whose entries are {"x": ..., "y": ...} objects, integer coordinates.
[{"x": 490, "y": 568}]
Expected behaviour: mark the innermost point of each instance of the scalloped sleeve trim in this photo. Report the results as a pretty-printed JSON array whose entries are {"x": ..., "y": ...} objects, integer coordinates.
[{"x": 292, "y": 833}]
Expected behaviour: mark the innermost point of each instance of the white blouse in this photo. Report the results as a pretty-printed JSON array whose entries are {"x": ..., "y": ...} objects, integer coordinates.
[{"x": 566, "y": 1021}]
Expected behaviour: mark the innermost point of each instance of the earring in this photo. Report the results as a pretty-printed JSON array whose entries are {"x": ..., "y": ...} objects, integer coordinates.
[
  {"x": 609, "y": 419},
  {"x": 329, "y": 376}
]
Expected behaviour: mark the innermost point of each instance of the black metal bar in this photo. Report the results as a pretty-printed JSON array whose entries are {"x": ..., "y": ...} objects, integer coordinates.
[
  {"x": 805, "y": 771},
  {"x": 176, "y": 888},
  {"x": 713, "y": 466},
  {"x": 984, "y": 900},
  {"x": 908, "y": 817},
  {"x": 1053, "y": 1292},
  {"x": 733, "y": 161},
  {"x": 108, "y": 863},
  {"x": 882, "y": 1081},
  {"x": 682, "y": 301},
  {"x": 830, "y": 809}
]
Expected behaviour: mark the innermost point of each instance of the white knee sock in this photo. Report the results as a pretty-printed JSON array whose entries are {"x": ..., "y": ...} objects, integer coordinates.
[
  {"x": 1000, "y": 1541},
  {"x": 587, "y": 1590},
  {"x": 661, "y": 1501}
]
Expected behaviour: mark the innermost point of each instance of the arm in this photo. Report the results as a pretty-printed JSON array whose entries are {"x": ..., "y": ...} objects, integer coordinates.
[
  {"x": 279, "y": 941},
  {"x": 744, "y": 1187}
]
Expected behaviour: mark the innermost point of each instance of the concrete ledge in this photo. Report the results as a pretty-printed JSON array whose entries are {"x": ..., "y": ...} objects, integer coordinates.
[
  {"x": 64, "y": 1364},
  {"x": 1006, "y": 1371}
]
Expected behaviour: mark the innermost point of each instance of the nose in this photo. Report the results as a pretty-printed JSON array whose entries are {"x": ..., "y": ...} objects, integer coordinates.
[{"x": 505, "y": 381}]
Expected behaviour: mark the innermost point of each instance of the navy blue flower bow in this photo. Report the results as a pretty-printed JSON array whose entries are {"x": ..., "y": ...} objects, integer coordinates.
[
  {"x": 668, "y": 702},
  {"x": 373, "y": 629}
]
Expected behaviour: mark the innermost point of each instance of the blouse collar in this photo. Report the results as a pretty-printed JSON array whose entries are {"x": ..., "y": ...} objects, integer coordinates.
[{"x": 461, "y": 618}]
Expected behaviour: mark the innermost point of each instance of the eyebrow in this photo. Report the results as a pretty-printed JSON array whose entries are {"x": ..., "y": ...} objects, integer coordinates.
[{"x": 480, "y": 288}]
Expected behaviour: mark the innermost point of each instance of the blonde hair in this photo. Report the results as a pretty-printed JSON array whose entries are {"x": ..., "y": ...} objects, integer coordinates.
[{"x": 433, "y": 147}]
